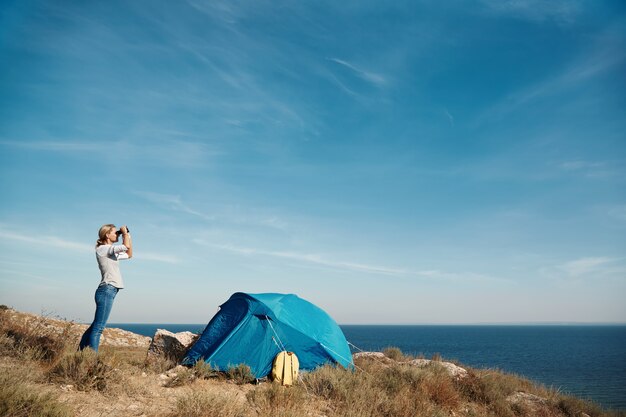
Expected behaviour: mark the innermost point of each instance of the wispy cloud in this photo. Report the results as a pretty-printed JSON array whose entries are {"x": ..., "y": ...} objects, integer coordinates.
[
  {"x": 590, "y": 169},
  {"x": 605, "y": 55},
  {"x": 158, "y": 257},
  {"x": 172, "y": 202},
  {"x": 561, "y": 11},
  {"x": 618, "y": 212},
  {"x": 232, "y": 215},
  {"x": 56, "y": 243},
  {"x": 449, "y": 116},
  {"x": 316, "y": 259},
  {"x": 49, "y": 241},
  {"x": 57, "y": 146},
  {"x": 369, "y": 76},
  {"x": 308, "y": 258},
  {"x": 584, "y": 266},
  {"x": 165, "y": 152}
]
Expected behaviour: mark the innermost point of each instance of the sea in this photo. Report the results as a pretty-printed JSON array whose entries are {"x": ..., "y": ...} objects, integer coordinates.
[{"x": 588, "y": 361}]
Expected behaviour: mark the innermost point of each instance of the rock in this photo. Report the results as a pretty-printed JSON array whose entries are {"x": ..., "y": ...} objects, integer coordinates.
[
  {"x": 377, "y": 356},
  {"x": 172, "y": 373},
  {"x": 531, "y": 401},
  {"x": 171, "y": 345},
  {"x": 454, "y": 370},
  {"x": 122, "y": 338}
]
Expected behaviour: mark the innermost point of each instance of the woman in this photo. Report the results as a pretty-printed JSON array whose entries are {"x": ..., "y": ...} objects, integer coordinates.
[{"x": 108, "y": 256}]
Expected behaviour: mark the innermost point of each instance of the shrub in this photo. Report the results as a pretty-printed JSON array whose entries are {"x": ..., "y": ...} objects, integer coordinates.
[
  {"x": 240, "y": 374},
  {"x": 440, "y": 390},
  {"x": 19, "y": 400},
  {"x": 86, "y": 370},
  {"x": 472, "y": 388},
  {"x": 204, "y": 370},
  {"x": 394, "y": 353}
]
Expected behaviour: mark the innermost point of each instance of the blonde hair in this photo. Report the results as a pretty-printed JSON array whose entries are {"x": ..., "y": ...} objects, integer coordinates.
[{"x": 102, "y": 234}]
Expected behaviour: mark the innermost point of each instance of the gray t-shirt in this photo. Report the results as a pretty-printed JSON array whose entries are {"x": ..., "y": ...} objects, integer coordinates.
[{"x": 108, "y": 257}]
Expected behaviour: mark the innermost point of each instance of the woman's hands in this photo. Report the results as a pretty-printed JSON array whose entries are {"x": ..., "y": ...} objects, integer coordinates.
[{"x": 126, "y": 241}]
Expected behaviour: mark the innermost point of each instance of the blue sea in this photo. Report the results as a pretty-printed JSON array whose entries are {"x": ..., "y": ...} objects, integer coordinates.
[{"x": 588, "y": 361}]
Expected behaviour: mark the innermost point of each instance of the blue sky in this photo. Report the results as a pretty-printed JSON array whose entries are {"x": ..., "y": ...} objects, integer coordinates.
[{"x": 413, "y": 162}]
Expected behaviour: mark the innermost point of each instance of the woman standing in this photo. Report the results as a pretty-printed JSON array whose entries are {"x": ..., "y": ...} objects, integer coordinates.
[{"x": 108, "y": 256}]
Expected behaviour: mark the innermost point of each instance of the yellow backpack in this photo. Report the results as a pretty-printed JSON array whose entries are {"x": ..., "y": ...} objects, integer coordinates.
[{"x": 285, "y": 368}]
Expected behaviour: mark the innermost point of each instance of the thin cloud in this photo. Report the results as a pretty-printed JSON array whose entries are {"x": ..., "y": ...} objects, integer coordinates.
[
  {"x": 49, "y": 241},
  {"x": 450, "y": 117},
  {"x": 584, "y": 266},
  {"x": 590, "y": 169},
  {"x": 230, "y": 215},
  {"x": 618, "y": 212},
  {"x": 158, "y": 257},
  {"x": 315, "y": 259},
  {"x": 176, "y": 152},
  {"x": 56, "y": 243},
  {"x": 310, "y": 258},
  {"x": 578, "y": 165},
  {"x": 562, "y": 11},
  {"x": 172, "y": 202},
  {"x": 56, "y": 146},
  {"x": 371, "y": 77},
  {"x": 342, "y": 85},
  {"x": 603, "y": 57}
]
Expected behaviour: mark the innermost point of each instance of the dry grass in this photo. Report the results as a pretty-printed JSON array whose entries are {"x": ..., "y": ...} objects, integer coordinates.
[
  {"x": 86, "y": 370},
  {"x": 18, "y": 398},
  {"x": 34, "y": 368},
  {"x": 207, "y": 404},
  {"x": 157, "y": 364},
  {"x": 32, "y": 340}
]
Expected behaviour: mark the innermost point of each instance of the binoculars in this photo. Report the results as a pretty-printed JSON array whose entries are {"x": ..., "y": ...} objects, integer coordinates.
[{"x": 119, "y": 232}]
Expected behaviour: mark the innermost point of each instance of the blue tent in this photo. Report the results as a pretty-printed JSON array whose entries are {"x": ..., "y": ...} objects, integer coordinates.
[{"x": 254, "y": 328}]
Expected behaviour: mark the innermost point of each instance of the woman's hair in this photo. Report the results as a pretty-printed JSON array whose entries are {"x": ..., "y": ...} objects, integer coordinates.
[{"x": 102, "y": 234}]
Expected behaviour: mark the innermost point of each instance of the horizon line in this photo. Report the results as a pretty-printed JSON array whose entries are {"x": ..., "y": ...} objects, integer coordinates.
[{"x": 520, "y": 323}]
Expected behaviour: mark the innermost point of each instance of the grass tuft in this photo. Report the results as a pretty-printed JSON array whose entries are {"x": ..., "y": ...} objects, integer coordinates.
[
  {"x": 204, "y": 370},
  {"x": 394, "y": 353},
  {"x": 240, "y": 374},
  {"x": 85, "y": 370}
]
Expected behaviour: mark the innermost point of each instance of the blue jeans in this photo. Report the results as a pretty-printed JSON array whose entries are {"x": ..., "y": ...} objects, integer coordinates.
[{"x": 105, "y": 294}]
